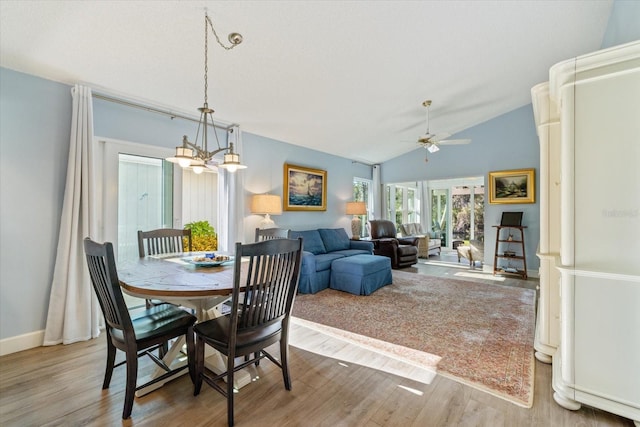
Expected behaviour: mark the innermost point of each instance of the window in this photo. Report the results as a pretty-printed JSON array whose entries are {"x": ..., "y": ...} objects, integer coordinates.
[
  {"x": 363, "y": 192},
  {"x": 406, "y": 203}
]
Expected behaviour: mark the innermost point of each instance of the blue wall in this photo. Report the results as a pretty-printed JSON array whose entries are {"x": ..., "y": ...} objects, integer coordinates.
[
  {"x": 624, "y": 23},
  {"x": 35, "y": 124},
  {"x": 506, "y": 142},
  {"x": 266, "y": 158}
]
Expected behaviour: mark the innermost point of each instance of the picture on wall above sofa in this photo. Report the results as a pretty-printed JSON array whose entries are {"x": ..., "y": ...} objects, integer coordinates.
[{"x": 305, "y": 189}]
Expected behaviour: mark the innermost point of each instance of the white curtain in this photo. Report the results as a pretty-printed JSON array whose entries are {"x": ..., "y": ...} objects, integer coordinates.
[
  {"x": 425, "y": 206},
  {"x": 377, "y": 194},
  {"x": 231, "y": 199},
  {"x": 74, "y": 314}
]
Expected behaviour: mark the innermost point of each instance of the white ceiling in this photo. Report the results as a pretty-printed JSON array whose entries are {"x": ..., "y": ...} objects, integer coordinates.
[{"x": 343, "y": 77}]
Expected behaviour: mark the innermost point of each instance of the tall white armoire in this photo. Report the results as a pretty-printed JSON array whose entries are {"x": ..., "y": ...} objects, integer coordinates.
[
  {"x": 589, "y": 249},
  {"x": 547, "y": 118}
]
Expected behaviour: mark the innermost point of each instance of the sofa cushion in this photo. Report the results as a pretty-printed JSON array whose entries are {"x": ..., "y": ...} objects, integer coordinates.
[
  {"x": 311, "y": 240},
  {"x": 352, "y": 252},
  {"x": 323, "y": 261},
  {"x": 334, "y": 239}
]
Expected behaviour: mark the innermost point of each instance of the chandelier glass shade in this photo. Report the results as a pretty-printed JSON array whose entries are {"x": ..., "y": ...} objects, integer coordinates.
[{"x": 196, "y": 155}]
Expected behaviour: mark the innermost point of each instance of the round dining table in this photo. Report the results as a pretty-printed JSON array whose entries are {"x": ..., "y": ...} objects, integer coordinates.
[{"x": 180, "y": 279}]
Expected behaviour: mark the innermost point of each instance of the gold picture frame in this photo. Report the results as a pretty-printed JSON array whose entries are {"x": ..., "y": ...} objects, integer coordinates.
[
  {"x": 305, "y": 189},
  {"x": 512, "y": 186}
]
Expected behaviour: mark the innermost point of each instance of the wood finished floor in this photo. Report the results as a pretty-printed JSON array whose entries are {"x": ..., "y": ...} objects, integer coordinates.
[{"x": 61, "y": 385}]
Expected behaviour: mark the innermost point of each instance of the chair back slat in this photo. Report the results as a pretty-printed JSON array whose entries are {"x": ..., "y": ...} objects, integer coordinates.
[
  {"x": 163, "y": 241},
  {"x": 104, "y": 278},
  {"x": 271, "y": 233},
  {"x": 270, "y": 281}
]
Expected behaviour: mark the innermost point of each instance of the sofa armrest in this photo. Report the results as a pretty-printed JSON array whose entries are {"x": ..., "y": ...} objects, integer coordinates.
[
  {"x": 361, "y": 244},
  {"x": 308, "y": 263},
  {"x": 387, "y": 246}
]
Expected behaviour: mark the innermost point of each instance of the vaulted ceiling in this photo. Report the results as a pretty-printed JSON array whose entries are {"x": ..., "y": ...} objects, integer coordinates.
[{"x": 343, "y": 77}]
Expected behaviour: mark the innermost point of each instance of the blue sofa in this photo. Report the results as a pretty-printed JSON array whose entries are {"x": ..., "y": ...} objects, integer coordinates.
[{"x": 321, "y": 247}]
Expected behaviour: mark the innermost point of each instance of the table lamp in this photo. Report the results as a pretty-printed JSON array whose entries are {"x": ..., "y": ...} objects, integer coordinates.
[
  {"x": 356, "y": 209},
  {"x": 267, "y": 205}
]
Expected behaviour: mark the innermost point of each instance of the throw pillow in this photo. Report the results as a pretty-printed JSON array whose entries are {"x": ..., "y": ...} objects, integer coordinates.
[
  {"x": 311, "y": 241},
  {"x": 334, "y": 239}
]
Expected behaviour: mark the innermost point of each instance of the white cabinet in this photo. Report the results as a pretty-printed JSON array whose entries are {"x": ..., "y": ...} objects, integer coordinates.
[
  {"x": 547, "y": 118},
  {"x": 597, "y": 361}
]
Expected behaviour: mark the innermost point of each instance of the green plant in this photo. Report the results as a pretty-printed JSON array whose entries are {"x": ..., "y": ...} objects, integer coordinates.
[
  {"x": 200, "y": 228},
  {"x": 203, "y": 236}
]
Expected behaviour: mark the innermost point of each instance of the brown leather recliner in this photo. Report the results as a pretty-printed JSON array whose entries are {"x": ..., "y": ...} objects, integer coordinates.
[{"x": 403, "y": 251}]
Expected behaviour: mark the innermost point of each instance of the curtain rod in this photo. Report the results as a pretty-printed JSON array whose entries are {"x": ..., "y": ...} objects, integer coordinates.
[
  {"x": 155, "y": 110},
  {"x": 362, "y": 163}
]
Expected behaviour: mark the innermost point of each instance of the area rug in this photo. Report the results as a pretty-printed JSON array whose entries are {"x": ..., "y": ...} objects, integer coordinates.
[{"x": 478, "y": 334}]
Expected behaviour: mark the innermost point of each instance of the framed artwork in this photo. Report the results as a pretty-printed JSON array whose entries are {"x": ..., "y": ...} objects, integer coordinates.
[
  {"x": 305, "y": 189},
  {"x": 512, "y": 186}
]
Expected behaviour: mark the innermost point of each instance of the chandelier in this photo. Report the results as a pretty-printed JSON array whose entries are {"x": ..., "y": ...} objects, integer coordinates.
[{"x": 197, "y": 156}]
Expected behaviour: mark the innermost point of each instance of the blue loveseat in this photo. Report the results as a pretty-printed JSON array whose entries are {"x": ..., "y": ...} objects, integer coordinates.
[{"x": 321, "y": 247}]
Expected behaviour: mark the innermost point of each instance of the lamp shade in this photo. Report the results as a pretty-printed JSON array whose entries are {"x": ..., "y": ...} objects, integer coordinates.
[
  {"x": 356, "y": 208},
  {"x": 266, "y": 204}
]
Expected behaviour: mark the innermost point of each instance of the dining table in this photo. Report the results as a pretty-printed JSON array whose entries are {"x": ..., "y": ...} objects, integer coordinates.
[{"x": 190, "y": 280}]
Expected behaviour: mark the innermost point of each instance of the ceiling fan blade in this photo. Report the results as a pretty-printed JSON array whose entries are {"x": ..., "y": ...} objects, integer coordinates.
[
  {"x": 454, "y": 141},
  {"x": 440, "y": 136}
]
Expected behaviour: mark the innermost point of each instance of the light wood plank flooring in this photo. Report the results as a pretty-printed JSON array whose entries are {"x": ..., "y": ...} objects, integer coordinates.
[{"x": 61, "y": 385}]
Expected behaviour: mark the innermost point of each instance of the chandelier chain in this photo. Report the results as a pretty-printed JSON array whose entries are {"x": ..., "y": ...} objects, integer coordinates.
[
  {"x": 231, "y": 46},
  {"x": 198, "y": 156},
  {"x": 206, "y": 60}
]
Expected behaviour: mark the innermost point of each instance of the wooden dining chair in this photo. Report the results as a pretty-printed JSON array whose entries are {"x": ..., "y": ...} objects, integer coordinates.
[
  {"x": 263, "y": 234},
  {"x": 261, "y": 302},
  {"x": 146, "y": 332},
  {"x": 163, "y": 241}
]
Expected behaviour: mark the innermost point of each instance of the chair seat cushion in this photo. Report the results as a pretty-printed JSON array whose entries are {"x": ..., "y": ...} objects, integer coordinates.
[
  {"x": 157, "y": 321},
  {"x": 404, "y": 250},
  {"x": 216, "y": 333}
]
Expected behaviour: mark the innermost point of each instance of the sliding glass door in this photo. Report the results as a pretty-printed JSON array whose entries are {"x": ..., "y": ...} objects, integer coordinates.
[
  {"x": 440, "y": 213},
  {"x": 145, "y": 199},
  {"x": 467, "y": 211},
  {"x": 457, "y": 209}
]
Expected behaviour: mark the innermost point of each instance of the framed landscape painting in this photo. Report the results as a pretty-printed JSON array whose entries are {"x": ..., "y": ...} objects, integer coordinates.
[
  {"x": 305, "y": 189},
  {"x": 512, "y": 186}
]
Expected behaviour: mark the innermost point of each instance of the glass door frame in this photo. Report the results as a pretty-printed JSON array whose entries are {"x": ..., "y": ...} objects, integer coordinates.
[
  {"x": 107, "y": 179},
  {"x": 449, "y": 184}
]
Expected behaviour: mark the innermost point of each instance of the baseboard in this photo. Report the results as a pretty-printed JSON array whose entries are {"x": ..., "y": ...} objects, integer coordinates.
[{"x": 21, "y": 342}]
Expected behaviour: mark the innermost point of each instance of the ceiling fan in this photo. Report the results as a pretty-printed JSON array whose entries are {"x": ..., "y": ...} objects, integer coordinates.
[{"x": 431, "y": 141}]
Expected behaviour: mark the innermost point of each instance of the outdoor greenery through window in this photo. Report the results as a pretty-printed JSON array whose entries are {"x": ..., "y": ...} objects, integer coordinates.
[
  {"x": 455, "y": 207},
  {"x": 467, "y": 218},
  {"x": 362, "y": 192}
]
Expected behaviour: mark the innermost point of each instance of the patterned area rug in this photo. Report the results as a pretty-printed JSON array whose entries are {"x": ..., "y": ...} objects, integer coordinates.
[{"x": 478, "y": 334}]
